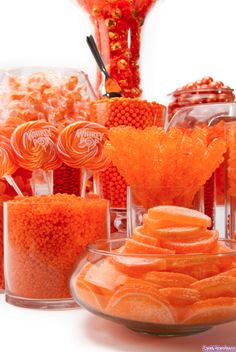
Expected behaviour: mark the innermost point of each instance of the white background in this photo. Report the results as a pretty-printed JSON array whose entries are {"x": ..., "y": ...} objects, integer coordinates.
[{"x": 183, "y": 40}]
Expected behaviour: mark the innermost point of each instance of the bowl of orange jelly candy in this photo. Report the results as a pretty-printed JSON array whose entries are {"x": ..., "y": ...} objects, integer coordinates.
[{"x": 174, "y": 276}]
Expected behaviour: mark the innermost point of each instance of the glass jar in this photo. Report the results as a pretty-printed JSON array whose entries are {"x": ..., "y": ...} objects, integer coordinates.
[
  {"x": 123, "y": 112},
  {"x": 157, "y": 293},
  {"x": 57, "y": 95},
  {"x": 118, "y": 27},
  {"x": 212, "y": 117},
  {"x": 182, "y": 98},
  {"x": 44, "y": 236}
]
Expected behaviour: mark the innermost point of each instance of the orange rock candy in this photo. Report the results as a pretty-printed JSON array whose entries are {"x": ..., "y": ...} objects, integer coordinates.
[{"x": 164, "y": 167}]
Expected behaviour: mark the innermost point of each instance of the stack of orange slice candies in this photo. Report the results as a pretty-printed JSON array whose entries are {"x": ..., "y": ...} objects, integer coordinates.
[{"x": 180, "y": 281}]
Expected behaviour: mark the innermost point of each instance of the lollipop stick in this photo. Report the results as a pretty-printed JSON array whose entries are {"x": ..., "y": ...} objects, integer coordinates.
[
  {"x": 42, "y": 182},
  {"x": 84, "y": 182},
  {"x": 12, "y": 183},
  {"x": 48, "y": 177},
  {"x": 96, "y": 183}
]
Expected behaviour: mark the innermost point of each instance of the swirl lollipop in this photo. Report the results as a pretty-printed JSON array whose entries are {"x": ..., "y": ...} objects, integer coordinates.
[
  {"x": 34, "y": 146},
  {"x": 81, "y": 145},
  {"x": 7, "y": 163}
]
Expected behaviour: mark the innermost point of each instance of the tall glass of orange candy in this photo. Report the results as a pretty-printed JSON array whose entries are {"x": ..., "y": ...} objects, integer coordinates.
[
  {"x": 58, "y": 95},
  {"x": 44, "y": 237},
  {"x": 117, "y": 25},
  {"x": 164, "y": 167},
  {"x": 230, "y": 131},
  {"x": 115, "y": 112},
  {"x": 213, "y": 117},
  {"x": 202, "y": 92}
]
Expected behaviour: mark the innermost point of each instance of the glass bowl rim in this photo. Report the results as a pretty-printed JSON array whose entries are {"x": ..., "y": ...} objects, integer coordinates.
[
  {"x": 91, "y": 249},
  {"x": 199, "y": 90}
]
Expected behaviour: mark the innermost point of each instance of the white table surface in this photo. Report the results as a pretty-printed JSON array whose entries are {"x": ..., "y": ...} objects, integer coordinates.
[{"x": 28, "y": 330}]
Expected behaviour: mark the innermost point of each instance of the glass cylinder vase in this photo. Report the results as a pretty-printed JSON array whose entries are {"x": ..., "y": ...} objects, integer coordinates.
[
  {"x": 43, "y": 237},
  {"x": 117, "y": 27}
]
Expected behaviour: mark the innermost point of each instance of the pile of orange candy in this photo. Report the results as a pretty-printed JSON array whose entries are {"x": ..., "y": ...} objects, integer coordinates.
[
  {"x": 172, "y": 271},
  {"x": 123, "y": 112},
  {"x": 203, "y": 91},
  {"x": 158, "y": 165},
  {"x": 45, "y": 237}
]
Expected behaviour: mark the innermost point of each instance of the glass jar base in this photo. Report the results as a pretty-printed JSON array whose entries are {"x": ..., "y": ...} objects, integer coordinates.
[
  {"x": 50, "y": 304},
  {"x": 168, "y": 332}
]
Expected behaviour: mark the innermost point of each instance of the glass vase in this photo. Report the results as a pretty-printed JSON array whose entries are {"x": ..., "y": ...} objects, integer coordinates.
[{"x": 117, "y": 26}]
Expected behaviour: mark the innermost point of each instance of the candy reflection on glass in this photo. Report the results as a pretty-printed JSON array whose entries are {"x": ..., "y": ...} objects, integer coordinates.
[
  {"x": 175, "y": 162},
  {"x": 192, "y": 285}
]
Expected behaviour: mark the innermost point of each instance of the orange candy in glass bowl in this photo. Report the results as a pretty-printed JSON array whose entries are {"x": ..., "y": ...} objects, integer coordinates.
[{"x": 172, "y": 277}]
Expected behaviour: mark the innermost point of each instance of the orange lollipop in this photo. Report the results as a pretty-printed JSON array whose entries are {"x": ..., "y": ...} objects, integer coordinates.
[
  {"x": 34, "y": 146},
  {"x": 7, "y": 161},
  {"x": 81, "y": 145}
]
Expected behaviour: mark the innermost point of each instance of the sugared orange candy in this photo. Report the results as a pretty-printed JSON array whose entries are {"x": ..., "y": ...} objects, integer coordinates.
[
  {"x": 164, "y": 167},
  {"x": 144, "y": 281}
]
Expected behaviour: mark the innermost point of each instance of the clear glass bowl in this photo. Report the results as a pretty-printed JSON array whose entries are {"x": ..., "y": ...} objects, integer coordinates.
[
  {"x": 157, "y": 294},
  {"x": 182, "y": 98}
]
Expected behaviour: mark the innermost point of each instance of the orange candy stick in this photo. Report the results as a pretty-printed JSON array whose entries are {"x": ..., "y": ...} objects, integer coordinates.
[
  {"x": 7, "y": 163},
  {"x": 34, "y": 146},
  {"x": 80, "y": 145}
]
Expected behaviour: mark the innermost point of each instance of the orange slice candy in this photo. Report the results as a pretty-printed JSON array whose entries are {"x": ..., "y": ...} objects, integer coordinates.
[
  {"x": 167, "y": 279},
  {"x": 135, "y": 265},
  {"x": 153, "y": 224},
  {"x": 88, "y": 294},
  {"x": 139, "y": 236},
  {"x": 180, "y": 215},
  {"x": 140, "y": 301},
  {"x": 204, "y": 245},
  {"x": 212, "y": 311},
  {"x": 132, "y": 246},
  {"x": 179, "y": 234},
  {"x": 179, "y": 296},
  {"x": 216, "y": 286}
]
